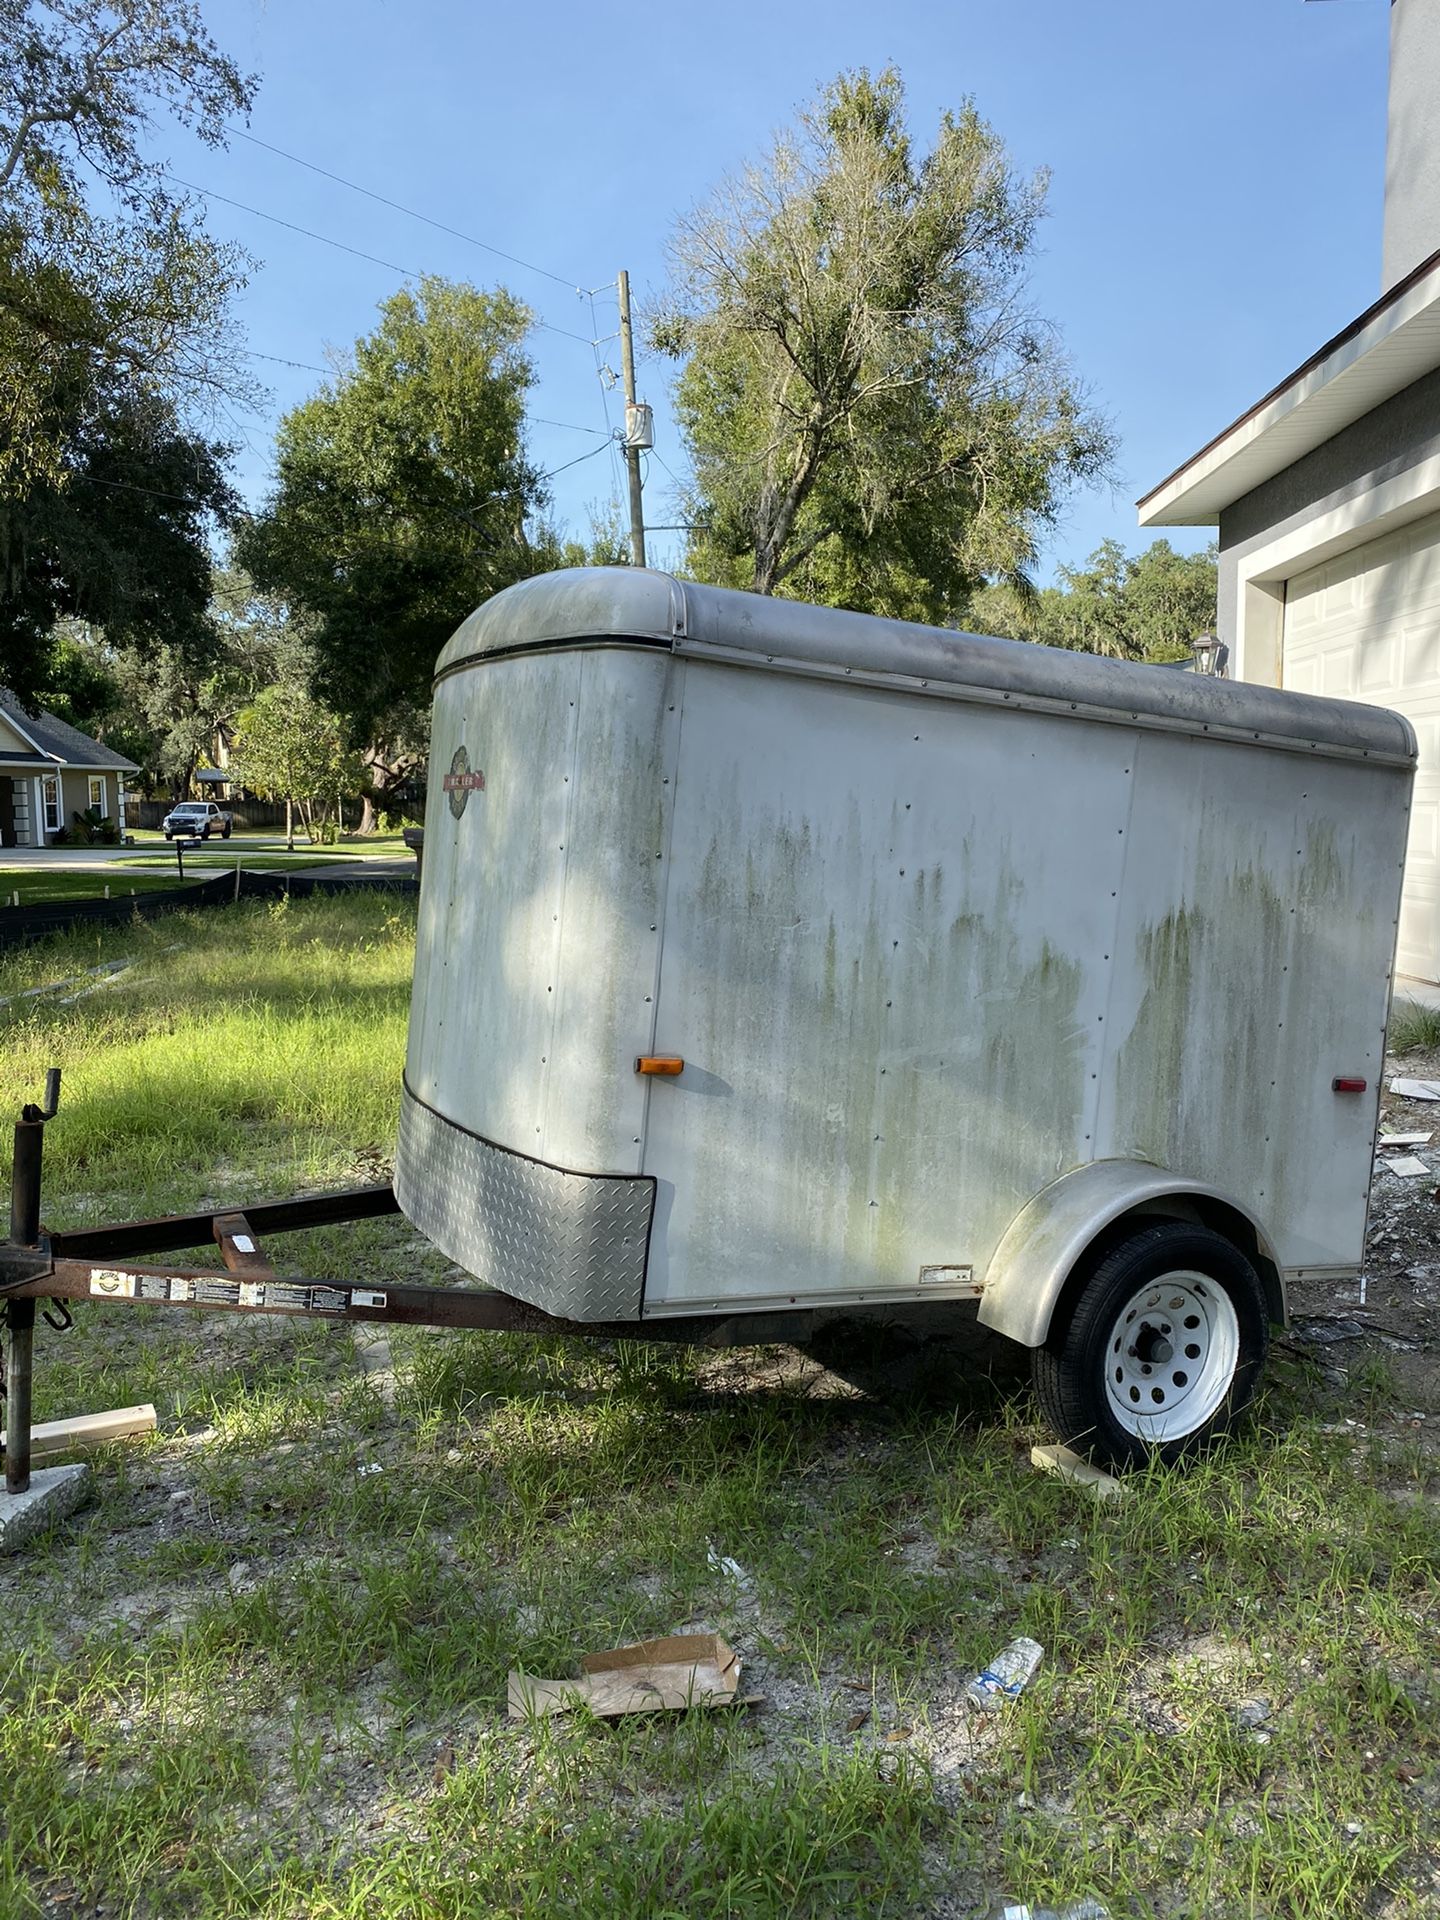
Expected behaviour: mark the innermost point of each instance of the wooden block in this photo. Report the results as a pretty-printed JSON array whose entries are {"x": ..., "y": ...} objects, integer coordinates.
[
  {"x": 1066, "y": 1465},
  {"x": 51, "y": 1437}
]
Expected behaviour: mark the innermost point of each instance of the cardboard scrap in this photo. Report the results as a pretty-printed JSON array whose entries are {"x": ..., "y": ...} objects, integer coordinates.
[
  {"x": 656, "y": 1676},
  {"x": 1416, "y": 1089}
]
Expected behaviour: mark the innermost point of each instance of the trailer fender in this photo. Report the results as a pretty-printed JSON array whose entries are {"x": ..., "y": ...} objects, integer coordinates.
[{"x": 1048, "y": 1238}]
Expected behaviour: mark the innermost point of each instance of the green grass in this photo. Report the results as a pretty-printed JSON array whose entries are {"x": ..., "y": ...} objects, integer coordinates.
[
  {"x": 1413, "y": 1027},
  {"x": 282, "y": 1693},
  {"x": 38, "y": 886}
]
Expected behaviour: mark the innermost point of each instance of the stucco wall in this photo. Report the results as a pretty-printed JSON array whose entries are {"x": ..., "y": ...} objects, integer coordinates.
[
  {"x": 77, "y": 793},
  {"x": 1412, "y": 157},
  {"x": 1384, "y": 444},
  {"x": 75, "y": 797}
]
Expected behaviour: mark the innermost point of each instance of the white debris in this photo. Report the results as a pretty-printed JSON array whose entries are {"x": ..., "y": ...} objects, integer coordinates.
[
  {"x": 1416, "y": 1089},
  {"x": 1405, "y": 1139},
  {"x": 722, "y": 1563},
  {"x": 1408, "y": 1167},
  {"x": 1007, "y": 1676}
]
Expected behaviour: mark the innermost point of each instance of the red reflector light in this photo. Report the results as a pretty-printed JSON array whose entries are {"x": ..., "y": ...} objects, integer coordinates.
[{"x": 1348, "y": 1086}]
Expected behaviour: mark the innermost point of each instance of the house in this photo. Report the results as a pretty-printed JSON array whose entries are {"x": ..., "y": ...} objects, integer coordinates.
[
  {"x": 49, "y": 772},
  {"x": 1326, "y": 492}
]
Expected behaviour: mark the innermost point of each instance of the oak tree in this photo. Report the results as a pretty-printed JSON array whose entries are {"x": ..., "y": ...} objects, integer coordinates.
[{"x": 875, "y": 415}]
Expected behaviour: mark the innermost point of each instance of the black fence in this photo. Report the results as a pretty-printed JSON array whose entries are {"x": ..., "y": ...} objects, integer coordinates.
[
  {"x": 20, "y": 926},
  {"x": 244, "y": 813}
]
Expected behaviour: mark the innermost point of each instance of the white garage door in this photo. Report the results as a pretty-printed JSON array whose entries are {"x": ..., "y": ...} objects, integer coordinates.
[{"x": 1366, "y": 627}]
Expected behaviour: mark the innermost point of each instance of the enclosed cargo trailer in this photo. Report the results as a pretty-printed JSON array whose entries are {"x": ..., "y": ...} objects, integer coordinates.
[
  {"x": 777, "y": 964},
  {"x": 774, "y": 958}
]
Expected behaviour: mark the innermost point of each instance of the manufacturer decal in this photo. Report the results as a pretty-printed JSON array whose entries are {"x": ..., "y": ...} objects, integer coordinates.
[
  {"x": 461, "y": 781},
  {"x": 952, "y": 1277},
  {"x": 111, "y": 1283}
]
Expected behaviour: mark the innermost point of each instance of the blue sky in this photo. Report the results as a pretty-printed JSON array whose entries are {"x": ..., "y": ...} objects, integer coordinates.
[{"x": 1215, "y": 207}]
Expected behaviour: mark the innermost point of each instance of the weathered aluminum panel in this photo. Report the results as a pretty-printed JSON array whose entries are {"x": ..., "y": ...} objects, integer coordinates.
[
  {"x": 1038, "y": 1254},
  {"x": 569, "y": 1243},
  {"x": 539, "y": 906},
  {"x": 1260, "y": 904},
  {"x": 886, "y": 958},
  {"x": 922, "y": 956},
  {"x": 594, "y": 605}
]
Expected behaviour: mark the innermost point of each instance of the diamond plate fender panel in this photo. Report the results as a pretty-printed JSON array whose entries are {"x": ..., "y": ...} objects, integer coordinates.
[{"x": 573, "y": 1244}]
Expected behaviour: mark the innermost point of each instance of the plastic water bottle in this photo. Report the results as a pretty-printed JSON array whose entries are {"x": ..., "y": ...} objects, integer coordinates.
[{"x": 1007, "y": 1675}]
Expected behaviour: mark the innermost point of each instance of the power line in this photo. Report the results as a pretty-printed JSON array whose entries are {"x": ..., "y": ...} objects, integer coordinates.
[
  {"x": 410, "y": 273},
  {"x": 589, "y": 454},
  {"x": 129, "y": 486},
  {"x": 305, "y": 366},
  {"x": 569, "y": 425},
  {"x": 209, "y": 193},
  {"x": 600, "y": 372},
  {"x": 410, "y": 212},
  {"x": 308, "y": 366}
]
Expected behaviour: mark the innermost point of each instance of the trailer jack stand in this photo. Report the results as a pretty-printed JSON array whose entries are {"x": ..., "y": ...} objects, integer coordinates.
[{"x": 29, "y": 1502}]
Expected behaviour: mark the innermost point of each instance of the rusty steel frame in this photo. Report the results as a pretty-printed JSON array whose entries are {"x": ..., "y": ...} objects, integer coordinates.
[{"x": 94, "y": 1264}]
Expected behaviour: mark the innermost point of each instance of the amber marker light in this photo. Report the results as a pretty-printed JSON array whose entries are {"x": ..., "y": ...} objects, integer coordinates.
[{"x": 661, "y": 1063}]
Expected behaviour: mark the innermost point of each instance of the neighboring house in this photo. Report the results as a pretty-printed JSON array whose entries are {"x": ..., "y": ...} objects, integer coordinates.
[
  {"x": 49, "y": 772},
  {"x": 1326, "y": 492}
]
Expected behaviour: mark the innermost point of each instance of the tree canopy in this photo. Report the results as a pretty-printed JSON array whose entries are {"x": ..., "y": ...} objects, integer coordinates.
[
  {"x": 874, "y": 414},
  {"x": 113, "y": 324},
  {"x": 405, "y": 496},
  {"x": 289, "y": 747},
  {"x": 1145, "y": 606}
]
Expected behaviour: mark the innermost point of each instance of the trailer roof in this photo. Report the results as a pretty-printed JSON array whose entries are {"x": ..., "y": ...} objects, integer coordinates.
[{"x": 621, "y": 605}]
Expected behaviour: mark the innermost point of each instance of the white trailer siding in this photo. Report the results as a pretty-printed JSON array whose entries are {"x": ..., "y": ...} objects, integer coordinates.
[
  {"x": 934, "y": 922},
  {"x": 883, "y": 969},
  {"x": 537, "y": 939},
  {"x": 921, "y": 959},
  {"x": 1252, "y": 968}
]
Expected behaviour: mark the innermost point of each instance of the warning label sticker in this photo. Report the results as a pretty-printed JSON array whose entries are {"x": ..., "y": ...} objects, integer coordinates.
[
  {"x": 279, "y": 1294},
  {"x": 214, "y": 1293},
  {"x": 223, "y": 1290}
]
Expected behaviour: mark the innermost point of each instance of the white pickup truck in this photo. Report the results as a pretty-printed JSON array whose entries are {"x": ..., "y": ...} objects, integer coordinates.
[{"x": 196, "y": 820}]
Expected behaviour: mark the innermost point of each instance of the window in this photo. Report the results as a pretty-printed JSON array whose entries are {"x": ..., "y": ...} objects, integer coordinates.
[
  {"x": 97, "y": 792},
  {"x": 50, "y": 787}
]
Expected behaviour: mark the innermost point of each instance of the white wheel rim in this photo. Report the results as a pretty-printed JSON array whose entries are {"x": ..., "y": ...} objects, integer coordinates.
[{"x": 1171, "y": 1355}]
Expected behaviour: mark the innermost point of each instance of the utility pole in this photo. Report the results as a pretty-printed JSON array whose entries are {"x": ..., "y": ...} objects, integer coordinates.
[{"x": 639, "y": 432}]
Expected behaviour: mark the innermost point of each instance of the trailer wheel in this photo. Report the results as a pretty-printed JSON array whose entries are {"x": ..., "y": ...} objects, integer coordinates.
[{"x": 1162, "y": 1350}]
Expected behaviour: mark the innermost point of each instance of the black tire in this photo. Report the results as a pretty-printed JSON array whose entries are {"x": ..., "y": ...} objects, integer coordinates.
[
  {"x": 225, "y": 833},
  {"x": 1095, "y": 1382}
]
